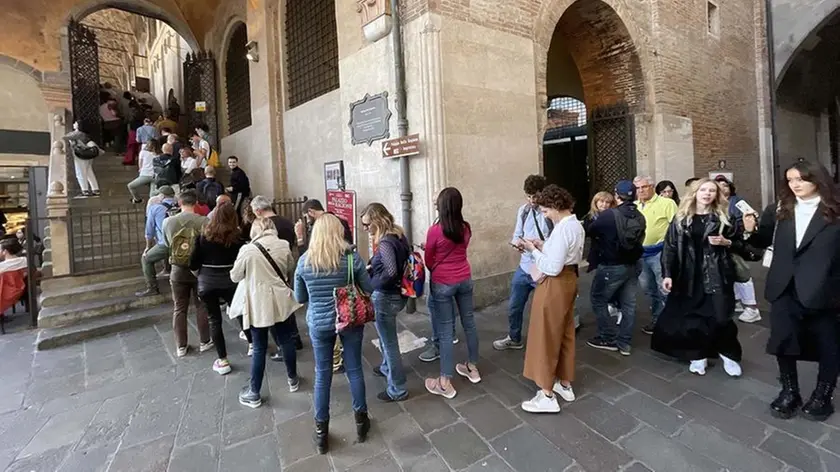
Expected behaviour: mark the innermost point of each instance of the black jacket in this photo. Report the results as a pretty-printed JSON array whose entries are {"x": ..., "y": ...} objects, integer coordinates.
[
  {"x": 813, "y": 267},
  {"x": 605, "y": 248},
  {"x": 388, "y": 263},
  {"x": 679, "y": 258},
  {"x": 240, "y": 183}
]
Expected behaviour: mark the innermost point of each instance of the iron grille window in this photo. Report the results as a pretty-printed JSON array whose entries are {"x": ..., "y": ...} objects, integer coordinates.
[
  {"x": 311, "y": 49},
  {"x": 566, "y": 112},
  {"x": 238, "y": 81}
]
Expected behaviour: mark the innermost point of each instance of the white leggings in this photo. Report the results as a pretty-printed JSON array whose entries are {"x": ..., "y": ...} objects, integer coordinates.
[
  {"x": 745, "y": 292},
  {"x": 85, "y": 175}
]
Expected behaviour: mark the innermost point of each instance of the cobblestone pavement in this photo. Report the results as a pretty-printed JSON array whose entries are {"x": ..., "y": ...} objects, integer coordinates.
[{"x": 125, "y": 403}]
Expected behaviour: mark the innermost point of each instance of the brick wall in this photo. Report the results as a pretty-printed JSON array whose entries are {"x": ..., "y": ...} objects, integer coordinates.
[{"x": 712, "y": 81}]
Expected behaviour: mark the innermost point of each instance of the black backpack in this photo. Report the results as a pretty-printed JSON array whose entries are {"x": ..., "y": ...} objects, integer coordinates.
[
  {"x": 210, "y": 191},
  {"x": 548, "y": 222},
  {"x": 630, "y": 230},
  {"x": 167, "y": 170}
]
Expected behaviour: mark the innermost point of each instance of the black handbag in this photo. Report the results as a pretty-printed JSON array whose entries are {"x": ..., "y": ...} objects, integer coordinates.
[{"x": 82, "y": 151}]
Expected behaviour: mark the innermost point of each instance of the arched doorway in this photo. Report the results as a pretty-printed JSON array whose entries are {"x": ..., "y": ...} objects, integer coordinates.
[
  {"x": 130, "y": 45},
  {"x": 593, "y": 71},
  {"x": 808, "y": 96}
]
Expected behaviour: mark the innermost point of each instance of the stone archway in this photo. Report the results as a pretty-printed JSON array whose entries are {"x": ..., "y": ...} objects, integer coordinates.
[
  {"x": 624, "y": 70},
  {"x": 596, "y": 52},
  {"x": 171, "y": 16},
  {"x": 793, "y": 23}
]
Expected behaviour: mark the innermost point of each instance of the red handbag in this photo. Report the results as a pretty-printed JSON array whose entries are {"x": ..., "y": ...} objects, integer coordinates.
[{"x": 353, "y": 307}]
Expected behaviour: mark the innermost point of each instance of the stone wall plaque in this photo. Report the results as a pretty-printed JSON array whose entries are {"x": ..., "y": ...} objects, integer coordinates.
[{"x": 369, "y": 119}]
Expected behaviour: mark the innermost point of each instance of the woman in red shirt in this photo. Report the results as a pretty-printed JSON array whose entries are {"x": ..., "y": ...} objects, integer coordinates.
[{"x": 451, "y": 286}]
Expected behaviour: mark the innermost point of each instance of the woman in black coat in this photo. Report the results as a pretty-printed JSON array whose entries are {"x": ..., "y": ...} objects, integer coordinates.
[
  {"x": 802, "y": 285},
  {"x": 698, "y": 274}
]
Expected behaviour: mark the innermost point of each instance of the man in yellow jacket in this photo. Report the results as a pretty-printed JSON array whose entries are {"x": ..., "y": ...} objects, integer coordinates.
[{"x": 658, "y": 212}]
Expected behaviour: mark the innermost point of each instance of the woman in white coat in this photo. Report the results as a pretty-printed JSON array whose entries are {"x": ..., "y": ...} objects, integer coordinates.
[{"x": 265, "y": 301}]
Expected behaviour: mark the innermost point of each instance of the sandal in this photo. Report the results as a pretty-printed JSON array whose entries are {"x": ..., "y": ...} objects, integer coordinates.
[{"x": 435, "y": 388}]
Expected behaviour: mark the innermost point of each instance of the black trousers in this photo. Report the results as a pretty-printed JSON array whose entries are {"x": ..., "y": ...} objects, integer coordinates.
[
  {"x": 211, "y": 299},
  {"x": 800, "y": 334}
]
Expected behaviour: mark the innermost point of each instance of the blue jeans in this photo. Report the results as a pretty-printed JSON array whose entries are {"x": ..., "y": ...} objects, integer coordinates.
[
  {"x": 387, "y": 306},
  {"x": 322, "y": 347},
  {"x": 446, "y": 297},
  {"x": 651, "y": 280},
  {"x": 430, "y": 304},
  {"x": 283, "y": 337},
  {"x": 615, "y": 283},
  {"x": 520, "y": 289}
]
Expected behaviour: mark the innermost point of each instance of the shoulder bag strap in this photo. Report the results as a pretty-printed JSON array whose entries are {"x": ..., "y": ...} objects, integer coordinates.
[
  {"x": 537, "y": 224},
  {"x": 351, "y": 280},
  {"x": 271, "y": 261}
]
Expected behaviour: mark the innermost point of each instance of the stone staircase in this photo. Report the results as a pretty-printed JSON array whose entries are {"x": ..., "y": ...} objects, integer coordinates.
[{"x": 105, "y": 230}]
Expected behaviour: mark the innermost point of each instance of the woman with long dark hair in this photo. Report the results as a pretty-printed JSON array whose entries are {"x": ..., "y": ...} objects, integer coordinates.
[
  {"x": 698, "y": 275},
  {"x": 667, "y": 189},
  {"x": 213, "y": 257},
  {"x": 451, "y": 286},
  {"x": 803, "y": 229}
]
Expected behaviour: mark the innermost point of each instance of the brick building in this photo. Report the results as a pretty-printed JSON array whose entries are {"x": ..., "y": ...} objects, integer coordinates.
[{"x": 671, "y": 89}]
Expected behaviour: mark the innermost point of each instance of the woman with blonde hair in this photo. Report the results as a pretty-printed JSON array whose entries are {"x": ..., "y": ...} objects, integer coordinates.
[
  {"x": 550, "y": 353},
  {"x": 699, "y": 276},
  {"x": 390, "y": 254},
  {"x": 601, "y": 202},
  {"x": 266, "y": 303},
  {"x": 325, "y": 266}
]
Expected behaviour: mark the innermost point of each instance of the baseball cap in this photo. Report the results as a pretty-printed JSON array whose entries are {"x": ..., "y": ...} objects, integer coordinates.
[
  {"x": 625, "y": 189},
  {"x": 166, "y": 191}
]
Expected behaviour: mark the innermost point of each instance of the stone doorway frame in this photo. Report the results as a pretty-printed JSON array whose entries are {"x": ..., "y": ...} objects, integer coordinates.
[{"x": 548, "y": 18}]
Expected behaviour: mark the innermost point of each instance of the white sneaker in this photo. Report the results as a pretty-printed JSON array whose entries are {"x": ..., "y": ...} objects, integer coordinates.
[
  {"x": 250, "y": 350},
  {"x": 732, "y": 368},
  {"x": 541, "y": 404},
  {"x": 750, "y": 315},
  {"x": 204, "y": 347},
  {"x": 739, "y": 307},
  {"x": 565, "y": 392},
  {"x": 182, "y": 351},
  {"x": 698, "y": 367}
]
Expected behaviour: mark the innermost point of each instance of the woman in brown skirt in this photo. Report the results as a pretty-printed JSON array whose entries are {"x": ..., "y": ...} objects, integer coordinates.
[{"x": 550, "y": 355}]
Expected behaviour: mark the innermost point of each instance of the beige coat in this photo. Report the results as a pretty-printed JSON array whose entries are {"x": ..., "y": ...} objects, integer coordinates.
[{"x": 262, "y": 298}]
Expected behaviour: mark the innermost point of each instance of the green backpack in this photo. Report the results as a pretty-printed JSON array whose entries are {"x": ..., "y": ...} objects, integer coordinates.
[{"x": 182, "y": 245}]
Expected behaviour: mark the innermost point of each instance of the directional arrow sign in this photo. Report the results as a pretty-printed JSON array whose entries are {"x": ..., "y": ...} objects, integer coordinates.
[{"x": 400, "y": 147}]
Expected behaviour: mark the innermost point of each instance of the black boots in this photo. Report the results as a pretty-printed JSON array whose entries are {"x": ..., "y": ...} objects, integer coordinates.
[
  {"x": 362, "y": 426},
  {"x": 819, "y": 406},
  {"x": 789, "y": 400},
  {"x": 322, "y": 430}
]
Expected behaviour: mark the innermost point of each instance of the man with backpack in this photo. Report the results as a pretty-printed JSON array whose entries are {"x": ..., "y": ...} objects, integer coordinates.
[
  {"x": 209, "y": 189},
  {"x": 156, "y": 248},
  {"x": 167, "y": 168},
  {"x": 530, "y": 224},
  {"x": 617, "y": 236},
  {"x": 180, "y": 233}
]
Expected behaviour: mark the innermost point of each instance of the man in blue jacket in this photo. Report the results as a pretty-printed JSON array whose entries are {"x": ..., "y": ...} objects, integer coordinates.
[{"x": 617, "y": 235}]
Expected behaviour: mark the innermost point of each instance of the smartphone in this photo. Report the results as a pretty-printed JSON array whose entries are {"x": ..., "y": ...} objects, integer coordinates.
[
  {"x": 745, "y": 208},
  {"x": 515, "y": 246}
]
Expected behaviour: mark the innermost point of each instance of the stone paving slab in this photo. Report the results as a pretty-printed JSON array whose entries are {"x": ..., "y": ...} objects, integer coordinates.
[{"x": 127, "y": 403}]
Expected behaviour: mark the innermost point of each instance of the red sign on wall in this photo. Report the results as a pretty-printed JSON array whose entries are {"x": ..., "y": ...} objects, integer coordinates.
[{"x": 343, "y": 204}]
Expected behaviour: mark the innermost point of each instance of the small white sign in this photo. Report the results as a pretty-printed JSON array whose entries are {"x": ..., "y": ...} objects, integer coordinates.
[{"x": 200, "y": 107}]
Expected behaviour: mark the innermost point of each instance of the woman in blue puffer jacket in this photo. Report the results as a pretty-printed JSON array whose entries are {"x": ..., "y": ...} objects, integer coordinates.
[{"x": 322, "y": 269}]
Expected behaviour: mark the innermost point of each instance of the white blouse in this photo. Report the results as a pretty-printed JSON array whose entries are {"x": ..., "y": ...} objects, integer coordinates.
[
  {"x": 803, "y": 213},
  {"x": 564, "y": 247}
]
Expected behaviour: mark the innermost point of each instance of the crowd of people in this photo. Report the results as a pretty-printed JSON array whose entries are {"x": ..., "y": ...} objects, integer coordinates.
[{"x": 688, "y": 253}]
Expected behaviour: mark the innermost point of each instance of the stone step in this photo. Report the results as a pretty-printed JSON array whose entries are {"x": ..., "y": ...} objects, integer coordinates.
[
  {"x": 66, "y": 283},
  {"x": 75, "y": 313},
  {"x": 101, "y": 291},
  {"x": 51, "y": 338}
]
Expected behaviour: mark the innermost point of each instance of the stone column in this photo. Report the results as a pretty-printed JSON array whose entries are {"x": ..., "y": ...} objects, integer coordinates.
[
  {"x": 56, "y": 90},
  {"x": 431, "y": 80}
]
